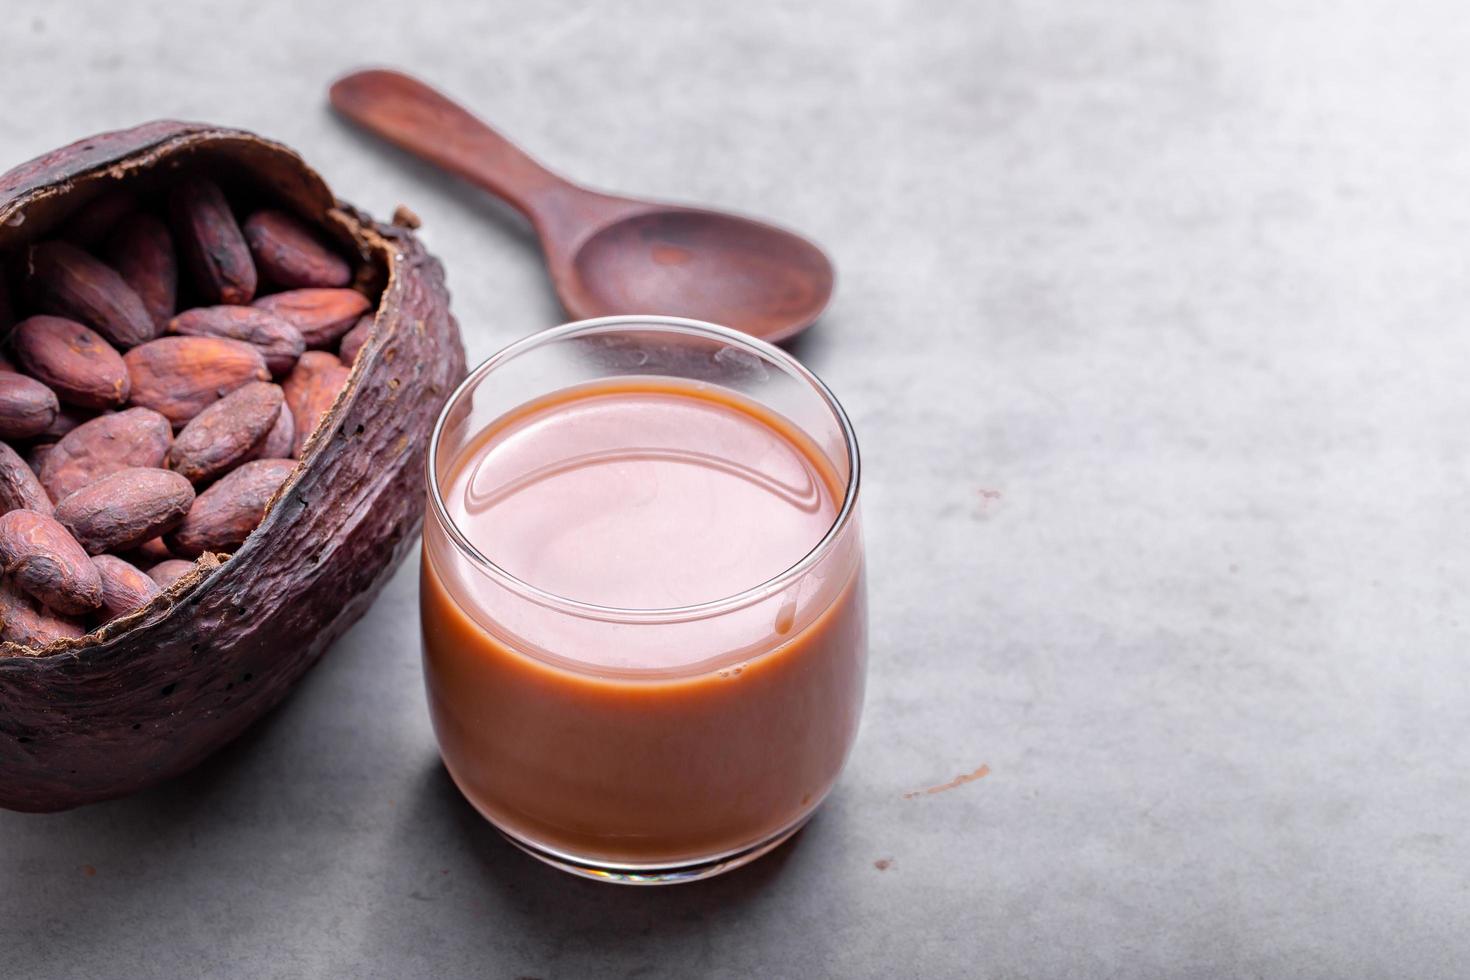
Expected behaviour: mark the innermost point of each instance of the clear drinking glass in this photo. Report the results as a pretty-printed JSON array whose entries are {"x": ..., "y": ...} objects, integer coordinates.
[{"x": 561, "y": 720}]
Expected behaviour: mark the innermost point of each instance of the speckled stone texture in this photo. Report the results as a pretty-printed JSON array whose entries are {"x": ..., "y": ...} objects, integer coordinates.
[{"x": 1151, "y": 317}]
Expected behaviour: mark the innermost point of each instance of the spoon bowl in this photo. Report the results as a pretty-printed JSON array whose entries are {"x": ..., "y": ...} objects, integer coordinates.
[
  {"x": 704, "y": 265},
  {"x": 607, "y": 254}
]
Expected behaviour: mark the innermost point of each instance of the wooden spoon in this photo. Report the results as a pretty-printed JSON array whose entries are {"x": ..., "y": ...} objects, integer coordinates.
[{"x": 608, "y": 254}]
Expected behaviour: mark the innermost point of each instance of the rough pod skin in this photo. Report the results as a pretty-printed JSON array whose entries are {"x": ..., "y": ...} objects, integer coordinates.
[{"x": 153, "y": 693}]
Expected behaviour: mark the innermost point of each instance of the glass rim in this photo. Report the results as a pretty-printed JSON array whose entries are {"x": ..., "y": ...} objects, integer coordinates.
[{"x": 665, "y": 324}]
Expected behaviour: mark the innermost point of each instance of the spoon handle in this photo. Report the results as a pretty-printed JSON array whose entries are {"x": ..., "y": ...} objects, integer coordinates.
[{"x": 415, "y": 117}]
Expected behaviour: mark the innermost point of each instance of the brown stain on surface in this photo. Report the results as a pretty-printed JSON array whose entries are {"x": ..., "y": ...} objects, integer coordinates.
[
  {"x": 89, "y": 871},
  {"x": 960, "y": 780},
  {"x": 883, "y": 864}
]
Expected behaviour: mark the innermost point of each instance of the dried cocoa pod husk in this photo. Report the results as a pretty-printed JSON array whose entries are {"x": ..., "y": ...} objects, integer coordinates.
[
  {"x": 288, "y": 254},
  {"x": 354, "y": 340},
  {"x": 72, "y": 360},
  {"x": 141, "y": 249},
  {"x": 211, "y": 242},
  {"x": 227, "y": 432},
  {"x": 279, "y": 342},
  {"x": 103, "y": 446},
  {"x": 27, "y": 407},
  {"x": 126, "y": 508},
  {"x": 7, "y": 313},
  {"x": 43, "y": 560},
  {"x": 166, "y": 573},
  {"x": 19, "y": 486},
  {"x": 223, "y": 516},
  {"x": 151, "y": 695},
  {"x": 125, "y": 587},
  {"x": 65, "y": 281},
  {"x": 25, "y": 623},
  {"x": 180, "y": 376},
  {"x": 322, "y": 315},
  {"x": 310, "y": 391}
]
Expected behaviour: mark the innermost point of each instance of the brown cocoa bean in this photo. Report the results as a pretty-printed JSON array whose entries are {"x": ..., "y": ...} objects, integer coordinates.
[
  {"x": 224, "y": 515},
  {"x": 289, "y": 255},
  {"x": 322, "y": 315},
  {"x": 180, "y": 376},
  {"x": 36, "y": 456},
  {"x": 45, "y": 561},
  {"x": 281, "y": 440},
  {"x": 211, "y": 242},
  {"x": 91, "y": 223},
  {"x": 278, "y": 341},
  {"x": 142, "y": 251},
  {"x": 27, "y": 407},
  {"x": 227, "y": 432},
  {"x": 25, "y": 622},
  {"x": 71, "y": 360},
  {"x": 67, "y": 419},
  {"x": 19, "y": 487},
  {"x": 151, "y": 552},
  {"x": 310, "y": 391},
  {"x": 355, "y": 339},
  {"x": 126, "y": 508},
  {"x": 124, "y": 586},
  {"x": 103, "y": 446},
  {"x": 65, "y": 281},
  {"x": 166, "y": 573}
]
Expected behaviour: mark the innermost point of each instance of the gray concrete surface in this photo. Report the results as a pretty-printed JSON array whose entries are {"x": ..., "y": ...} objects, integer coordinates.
[{"x": 1153, "y": 323}]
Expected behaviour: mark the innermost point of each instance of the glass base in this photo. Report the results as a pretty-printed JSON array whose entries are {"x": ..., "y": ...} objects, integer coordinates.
[{"x": 663, "y": 875}]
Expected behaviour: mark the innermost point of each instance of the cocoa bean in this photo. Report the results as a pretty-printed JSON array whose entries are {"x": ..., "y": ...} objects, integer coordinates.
[
  {"x": 355, "y": 339},
  {"x": 91, "y": 223},
  {"x": 180, "y": 376},
  {"x": 103, "y": 446},
  {"x": 142, "y": 251},
  {"x": 166, "y": 573},
  {"x": 211, "y": 242},
  {"x": 24, "y": 622},
  {"x": 27, "y": 407},
  {"x": 126, "y": 508},
  {"x": 322, "y": 315},
  {"x": 67, "y": 419},
  {"x": 151, "y": 552},
  {"x": 124, "y": 586},
  {"x": 289, "y": 255},
  {"x": 36, "y": 456},
  {"x": 45, "y": 561},
  {"x": 19, "y": 487},
  {"x": 279, "y": 342},
  {"x": 65, "y": 281},
  {"x": 227, "y": 432},
  {"x": 310, "y": 391},
  {"x": 281, "y": 440},
  {"x": 71, "y": 360},
  {"x": 224, "y": 515}
]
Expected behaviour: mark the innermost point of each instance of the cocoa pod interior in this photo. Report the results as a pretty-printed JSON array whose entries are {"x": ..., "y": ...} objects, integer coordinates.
[{"x": 151, "y": 694}]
